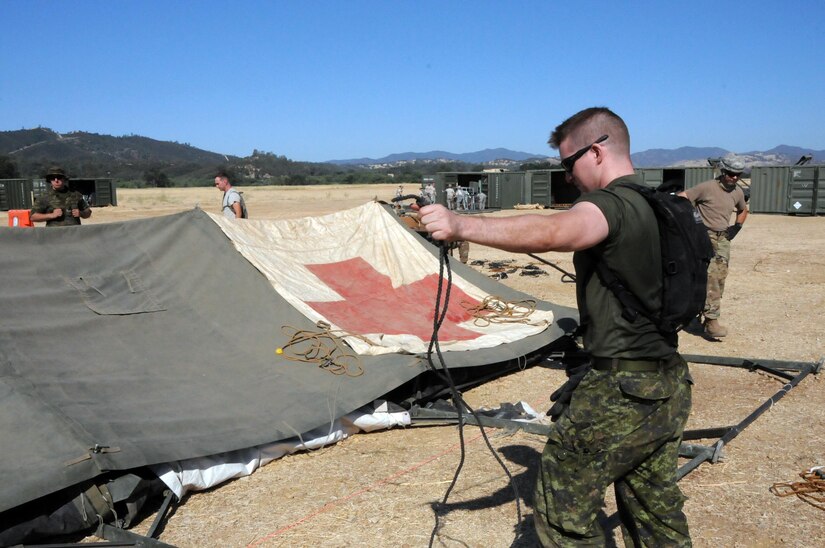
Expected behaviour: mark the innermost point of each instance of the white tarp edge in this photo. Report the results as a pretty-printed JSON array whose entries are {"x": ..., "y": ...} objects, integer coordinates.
[{"x": 205, "y": 472}]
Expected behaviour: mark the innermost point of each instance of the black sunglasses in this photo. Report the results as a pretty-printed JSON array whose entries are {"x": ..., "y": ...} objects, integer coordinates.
[{"x": 570, "y": 161}]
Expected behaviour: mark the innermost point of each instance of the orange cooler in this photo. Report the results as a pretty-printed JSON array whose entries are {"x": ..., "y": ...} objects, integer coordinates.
[{"x": 20, "y": 217}]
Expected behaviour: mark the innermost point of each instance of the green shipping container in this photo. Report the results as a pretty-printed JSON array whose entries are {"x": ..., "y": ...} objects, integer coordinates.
[
  {"x": 550, "y": 188},
  {"x": 769, "y": 189},
  {"x": 15, "y": 194},
  {"x": 802, "y": 190}
]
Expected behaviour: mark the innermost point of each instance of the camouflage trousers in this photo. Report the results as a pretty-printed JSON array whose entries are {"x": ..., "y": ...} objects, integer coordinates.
[
  {"x": 624, "y": 429},
  {"x": 717, "y": 273}
]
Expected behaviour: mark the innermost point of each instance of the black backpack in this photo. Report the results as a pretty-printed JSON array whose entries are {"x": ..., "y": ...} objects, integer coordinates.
[{"x": 686, "y": 254}]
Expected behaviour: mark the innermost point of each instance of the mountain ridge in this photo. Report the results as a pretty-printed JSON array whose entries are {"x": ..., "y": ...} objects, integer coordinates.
[{"x": 657, "y": 157}]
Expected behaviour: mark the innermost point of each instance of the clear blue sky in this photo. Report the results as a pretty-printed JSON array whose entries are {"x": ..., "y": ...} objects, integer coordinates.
[{"x": 321, "y": 80}]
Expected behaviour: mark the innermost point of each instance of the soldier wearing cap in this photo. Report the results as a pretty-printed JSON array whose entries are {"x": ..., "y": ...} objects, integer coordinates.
[
  {"x": 716, "y": 200},
  {"x": 60, "y": 206}
]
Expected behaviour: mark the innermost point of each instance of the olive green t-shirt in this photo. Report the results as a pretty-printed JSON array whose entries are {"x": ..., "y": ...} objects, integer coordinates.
[{"x": 632, "y": 251}]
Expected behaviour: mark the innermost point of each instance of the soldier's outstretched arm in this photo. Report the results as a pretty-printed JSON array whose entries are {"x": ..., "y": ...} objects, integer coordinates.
[{"x": 580, "y": 227}]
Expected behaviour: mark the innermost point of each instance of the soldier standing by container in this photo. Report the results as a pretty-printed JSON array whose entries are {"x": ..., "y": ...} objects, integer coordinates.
[
  {"x": 482, "y": 200},
  {"x": 450, "y": 197},
  {"x": 716, "y": 200},
  {"x": 461, "y": 198},
  {"x": 60, "y": 206},
  {"x": 429, "y": 192}
]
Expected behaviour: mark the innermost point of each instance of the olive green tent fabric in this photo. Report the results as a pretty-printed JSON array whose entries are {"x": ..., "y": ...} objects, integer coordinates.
[{"x": 150, "y": 341}]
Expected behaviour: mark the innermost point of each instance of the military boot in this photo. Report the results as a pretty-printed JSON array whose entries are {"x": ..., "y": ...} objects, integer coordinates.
[{"x": 714, "y": 329}]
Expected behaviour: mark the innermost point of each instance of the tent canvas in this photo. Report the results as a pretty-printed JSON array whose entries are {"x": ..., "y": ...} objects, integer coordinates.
[{"x": 145, "y": 342}]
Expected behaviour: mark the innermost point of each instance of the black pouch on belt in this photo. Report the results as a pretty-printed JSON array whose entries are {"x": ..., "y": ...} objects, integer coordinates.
[{"x": 561, "y": 397}]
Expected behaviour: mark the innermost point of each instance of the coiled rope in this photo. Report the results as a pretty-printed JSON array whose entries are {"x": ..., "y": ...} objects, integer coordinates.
[
  {"x": 494, "y": 310},
  {"x": 811, "y": 489},
  {"x": 325, "y": 348}
]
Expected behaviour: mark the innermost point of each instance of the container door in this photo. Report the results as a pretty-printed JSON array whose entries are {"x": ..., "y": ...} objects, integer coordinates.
[
  {"x": 769, "y": 189},
  {"x": 652, "y": 178},
  {"x": 801, "y": 190},
  {"x": 494, "y": 190},
  {"x": 511, "y": 191},
  {"x": 19, "y": 194},
  {"x": 540, "y": 188},
  {"x": 4, "y": 200}
]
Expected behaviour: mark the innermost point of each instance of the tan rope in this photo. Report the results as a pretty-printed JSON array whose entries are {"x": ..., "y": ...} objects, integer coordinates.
[
  {"x": 811, "y": 489},
  {"x": 494, "y": 310},
  {"x": 325, "y": 348}
]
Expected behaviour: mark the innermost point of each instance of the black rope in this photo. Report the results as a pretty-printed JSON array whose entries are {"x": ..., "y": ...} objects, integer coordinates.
[
  {"x": 460, "y": 404},
  {"x": 566, "y": 276}
]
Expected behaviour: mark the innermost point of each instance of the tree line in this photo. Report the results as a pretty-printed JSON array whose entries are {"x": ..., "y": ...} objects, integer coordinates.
[{"x": 261, "y": 168}]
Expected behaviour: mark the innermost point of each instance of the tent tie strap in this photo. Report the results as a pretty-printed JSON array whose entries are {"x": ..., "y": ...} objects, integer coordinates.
[
  {"x": 97, "y": 449},
  {"x": 100, "y": 500}
]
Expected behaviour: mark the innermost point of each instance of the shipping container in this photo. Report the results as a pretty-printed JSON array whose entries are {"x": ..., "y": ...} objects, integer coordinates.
[
  {"x": 795, "y": 190},
  {"x": 15, "y": 194},
  {"x": 550, "y": 188},
  {"x": 650, "y": 176},
  {"x": 692, "y": 176},
  {"x": 769, "y": 189},
  {"x": 802, "y": 190},
  {"x": 507, "y": 189}
]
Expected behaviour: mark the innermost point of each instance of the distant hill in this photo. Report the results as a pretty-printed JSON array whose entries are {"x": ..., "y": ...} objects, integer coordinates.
[
  {"x": 657, "y": 157},
  {"x": 693, "y": 156},
  {"x": 91, "y": 154},
  {"x": 660, "y": 157}
]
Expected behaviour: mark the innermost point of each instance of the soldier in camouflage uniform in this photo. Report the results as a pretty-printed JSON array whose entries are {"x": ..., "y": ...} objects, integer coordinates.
[
  {"x": 60, "y": 206},
  {"x": 716, "y": 200},
  {"x": 620, "y": 416}
]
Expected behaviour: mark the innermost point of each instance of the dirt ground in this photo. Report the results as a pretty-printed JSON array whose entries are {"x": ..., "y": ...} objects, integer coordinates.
[{"x": 378, "y": 489}]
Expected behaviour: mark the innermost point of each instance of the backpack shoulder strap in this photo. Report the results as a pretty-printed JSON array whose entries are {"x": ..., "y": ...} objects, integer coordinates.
[
  {"x": 244, "y": 213},
  {"x": 632, "y": 307}
]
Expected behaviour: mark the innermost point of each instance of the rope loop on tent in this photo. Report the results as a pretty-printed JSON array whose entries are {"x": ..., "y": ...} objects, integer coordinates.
[
  {"x": 324, "y": 348},
  {"x": 495, "y": 310},
  {"x": 811, "y": 489}
]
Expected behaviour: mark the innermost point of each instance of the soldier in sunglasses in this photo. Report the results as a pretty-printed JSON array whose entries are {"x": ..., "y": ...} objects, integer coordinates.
[{"x": 620, "y": 416}]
